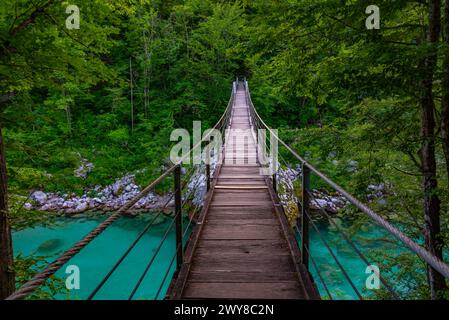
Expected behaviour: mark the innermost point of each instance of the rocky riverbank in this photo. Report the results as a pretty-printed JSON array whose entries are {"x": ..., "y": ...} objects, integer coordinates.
[
  {"x": 114, "y": 196},
  {"x": 107, "y": 198},
  {"x": 332, "y": 202}
]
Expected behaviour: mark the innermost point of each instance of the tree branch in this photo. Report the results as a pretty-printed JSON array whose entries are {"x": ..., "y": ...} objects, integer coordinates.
[{"x": 36, "y": 13}]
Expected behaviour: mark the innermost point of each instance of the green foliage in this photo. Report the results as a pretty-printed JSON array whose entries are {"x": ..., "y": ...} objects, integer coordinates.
[
  {"x": 72, "y": 97},
  {"x": 26, "y": 267},
  {"x": 344, "y": 97}
]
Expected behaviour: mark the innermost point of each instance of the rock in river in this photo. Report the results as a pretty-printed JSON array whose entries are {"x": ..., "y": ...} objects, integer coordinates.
[
  {"x": 39, "y": 196},
  {"x": 50, "y": 245}
]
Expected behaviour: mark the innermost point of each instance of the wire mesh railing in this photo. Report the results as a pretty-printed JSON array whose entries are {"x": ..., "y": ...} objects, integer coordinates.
[{"x": 302, "y": 198}]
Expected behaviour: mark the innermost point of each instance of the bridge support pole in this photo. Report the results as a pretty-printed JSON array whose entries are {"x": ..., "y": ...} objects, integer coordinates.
[
  {"x": 208, "y": 177},
  {"x": 178, "y": 218},
  {"x": 304, "y": 216},
  {"x": 274, "y": 183}
]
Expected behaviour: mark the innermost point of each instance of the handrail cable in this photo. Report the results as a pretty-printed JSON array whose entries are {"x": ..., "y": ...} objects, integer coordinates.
[
  {"x": 190, "y": 192},
  {"x": 357, "y": 250},
  {"x": 359, "y": 253},
  {"x": 165, "y": 237},
  {"x": 168, "y": 270},
  {"x": 133, "y": 244},
  {"x": 37, "y": 280},
  {"x": 142, "y": 233},
  {"x": 427, "y": 256},
  {"x": 167, "y": 232},
  {"x": 340, "y": 266},
  {"x": 174, "y": 256},
  {"x": 316, "y": 268}
]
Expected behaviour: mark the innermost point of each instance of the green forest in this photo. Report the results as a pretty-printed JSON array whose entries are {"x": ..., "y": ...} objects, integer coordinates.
[{"x": 365, "y": 106}]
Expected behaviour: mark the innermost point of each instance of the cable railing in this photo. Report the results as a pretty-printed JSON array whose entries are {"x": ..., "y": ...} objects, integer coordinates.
[
  {"x": 304, "y": 220},
  {"x": 183, "y": 197}
]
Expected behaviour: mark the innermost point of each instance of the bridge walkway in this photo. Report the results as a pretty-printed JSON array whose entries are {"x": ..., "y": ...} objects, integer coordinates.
[{"x": 243, "y": 249}]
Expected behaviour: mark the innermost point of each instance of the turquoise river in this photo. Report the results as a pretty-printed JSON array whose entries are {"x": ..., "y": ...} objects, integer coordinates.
[{"x": 100, "y": 255}]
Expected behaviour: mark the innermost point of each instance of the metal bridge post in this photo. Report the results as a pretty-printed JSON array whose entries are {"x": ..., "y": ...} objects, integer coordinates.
[
  {"x": 178, "y": 217},
  {"x": 208, "y": 176},
  {"x": 304, "y": 216}
]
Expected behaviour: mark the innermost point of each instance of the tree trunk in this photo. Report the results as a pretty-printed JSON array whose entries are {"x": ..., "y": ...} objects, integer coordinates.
[
  {"x": 7, "y": 284},
  {"x": 145, "y": 74},
  {"x": 445, "y": 89},
  {"x": 428, "y": 162},
  {"x": 132, "y": 93}
]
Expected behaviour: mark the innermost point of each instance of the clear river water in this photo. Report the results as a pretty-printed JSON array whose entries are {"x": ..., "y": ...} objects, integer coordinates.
[{"x": 100, "y": 255}]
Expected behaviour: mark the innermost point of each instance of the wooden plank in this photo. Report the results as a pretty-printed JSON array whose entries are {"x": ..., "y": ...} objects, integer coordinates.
[
  {"x": 234, "y": 187},
  {"x": 255, "y": 247},
  {"x": 256, "y": 166},
  {"x": 241, "y": 215},
  {"x": 274, "y": 243},
  {"x": 240, "y": 161},
  {"x": 248, "y": 182},
  {"x": 247, "y": 277},
  {"x": 239, "y": 155},
  {"x": 241, "y": 151},
  {"x": 226, "y": 213},
  {"x": 217, "y": 232},
  {"x": 242, "y": 222},
  {"x": 232, "y": 196},
  {"x": 283, "y": 290},
  {"x": 238, "y": 260},
  {"x": 242, "y": 139},
  {"x": 239, "y": 263},
  {"x": 258, "y": 190},
  {"x": 242, "y": 203},
  {"x": 240, "y": 176},
  {"x": 237, "y": 210},
  {"x": 242, "y": 197}
]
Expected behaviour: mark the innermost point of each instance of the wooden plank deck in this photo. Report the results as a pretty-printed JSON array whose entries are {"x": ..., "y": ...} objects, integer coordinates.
[{"x": 244, "y": 247}]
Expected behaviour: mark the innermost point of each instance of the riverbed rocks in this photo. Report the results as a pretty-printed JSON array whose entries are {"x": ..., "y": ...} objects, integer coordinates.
[
  {"x": 322, "y": 198},
  {"x": 107, "y": 198},
  {"x": 332, "y": 202},
  {"x": 84, "y": 169},
  {"x": 39, "y": 196},
  {"x": 198, "y": 186},
  {"x": 114, "y": 196}
]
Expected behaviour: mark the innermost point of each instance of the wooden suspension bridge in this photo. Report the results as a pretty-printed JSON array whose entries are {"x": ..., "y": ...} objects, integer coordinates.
[
  {"x": 238, "y": 243},
  {"x": 243, "y": 246}
]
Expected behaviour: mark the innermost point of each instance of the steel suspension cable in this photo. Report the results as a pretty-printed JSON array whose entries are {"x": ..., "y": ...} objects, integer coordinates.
[
  {"x": 323, "y": 239},
  {"x": 122, "y": 258},
  {"x": 316, "y": 267},
  {"x": 153, "y": 257},
  {"x": 173, "y": 259},
  {"x": 48, "y": 271},
  {"x": 166, "y": 274},
  {"x": 357, "y": 250},
  {"x": 427, "y": 256},
  {"x": 142, "y": 233},
  {"x": 40, "y": 278},
  {"x": 129, "y": 250}
]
